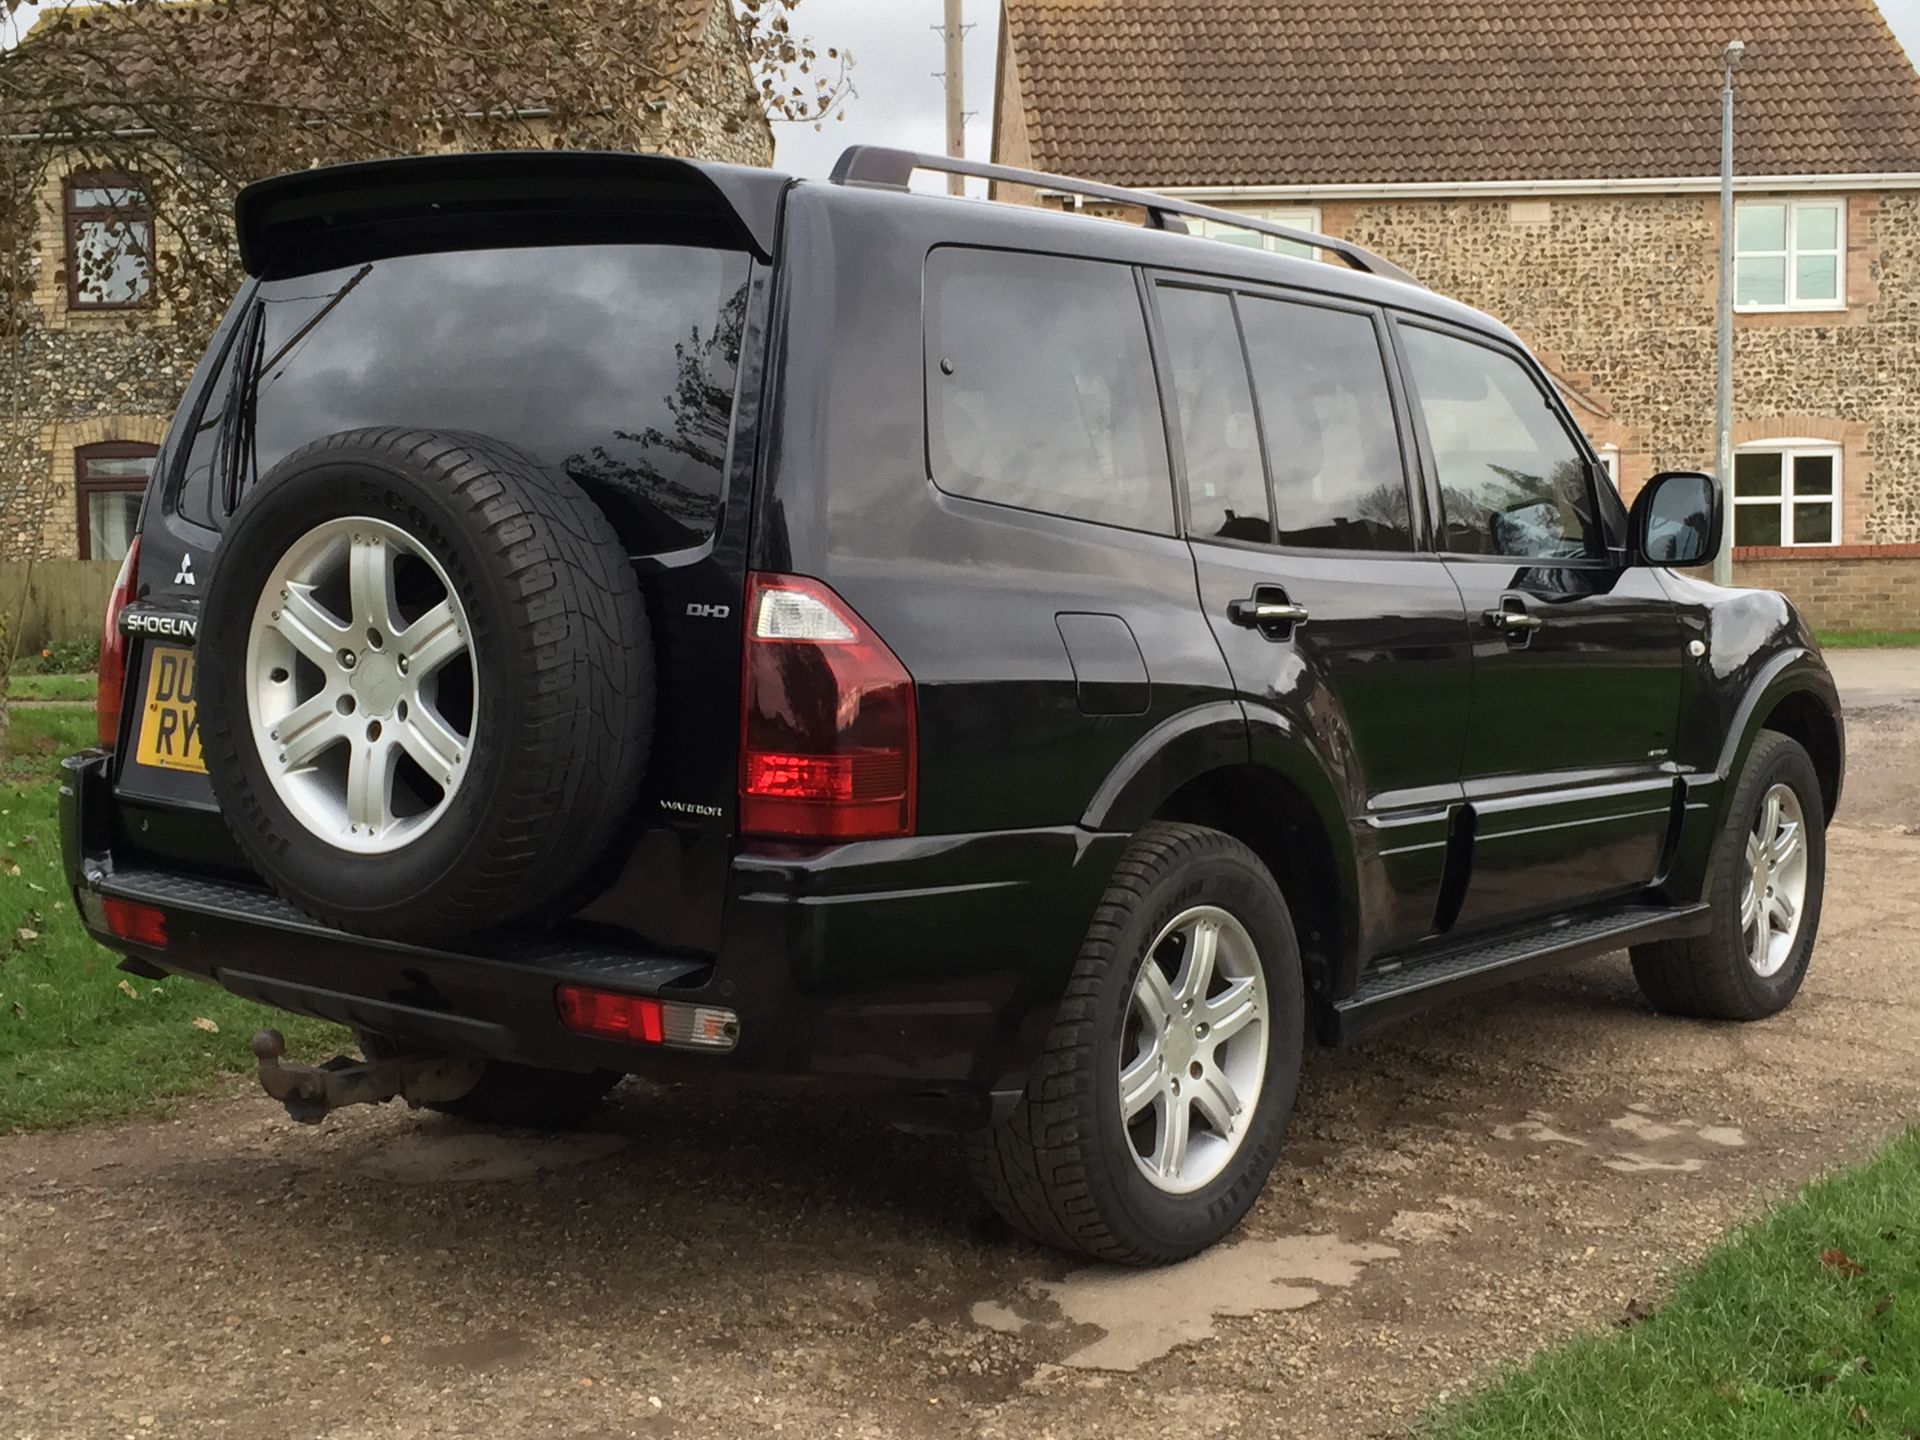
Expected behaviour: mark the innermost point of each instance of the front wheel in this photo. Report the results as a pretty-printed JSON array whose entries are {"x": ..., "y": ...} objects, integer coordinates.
[
  {"x": 1769, "y": 872},
  {"x": 1158, "y": 1106}
]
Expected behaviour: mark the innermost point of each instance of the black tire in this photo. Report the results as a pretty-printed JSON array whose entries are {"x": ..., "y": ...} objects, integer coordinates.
[
  {"x": 1061, "y": 1169},
  {"x": 1708, "y": 976},
  {"x": 560, "y": 646},
  {"x": 520, "y": 1096}
]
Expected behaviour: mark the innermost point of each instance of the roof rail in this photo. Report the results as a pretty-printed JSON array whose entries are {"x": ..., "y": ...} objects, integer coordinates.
[{"x": 878, "y": 165}]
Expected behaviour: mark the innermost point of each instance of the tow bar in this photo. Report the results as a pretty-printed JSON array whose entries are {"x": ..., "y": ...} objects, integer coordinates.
[{"x": 310, "y": 1092}]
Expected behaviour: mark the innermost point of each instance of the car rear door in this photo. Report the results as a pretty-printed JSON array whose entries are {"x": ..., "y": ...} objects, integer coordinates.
[
  {"x": 616, "y": 362},
  {"x": 1347, "y": 641},
  {"x": 1577, "y": 655}
]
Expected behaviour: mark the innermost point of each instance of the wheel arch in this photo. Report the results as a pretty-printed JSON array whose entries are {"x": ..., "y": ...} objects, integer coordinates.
[
  {"x": 1800, "y": 715},
  {"x": 1199, "y": 767},
  {"x": 1794, "y": 696},
  {"x": 1275, "y": 818}
]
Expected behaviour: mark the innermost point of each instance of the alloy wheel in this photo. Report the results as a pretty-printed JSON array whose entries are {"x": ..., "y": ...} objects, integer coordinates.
[
  {"x": 1775, "y": 894},
  {"x": 361, "y": 687},
  {"x": 1194, "y": 1054}
]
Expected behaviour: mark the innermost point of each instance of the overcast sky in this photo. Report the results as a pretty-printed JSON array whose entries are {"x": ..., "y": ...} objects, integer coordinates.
[
  {"x": 898, "y": 55},
  {"x": 897, "y": 49}
]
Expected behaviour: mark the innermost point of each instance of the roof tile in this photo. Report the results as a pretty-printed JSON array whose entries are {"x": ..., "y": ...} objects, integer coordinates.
[{"x": 1249, "y": 92}]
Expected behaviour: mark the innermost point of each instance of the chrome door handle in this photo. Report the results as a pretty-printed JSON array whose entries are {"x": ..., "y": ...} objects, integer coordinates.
[
  {"x": 1259, "y": 614},
  {"x": 1513, "y": 622}
]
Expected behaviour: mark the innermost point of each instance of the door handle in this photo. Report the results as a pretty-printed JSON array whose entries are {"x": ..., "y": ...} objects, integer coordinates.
[
  {"x": 1262, "y": 613},
  {"x": 1514, "y": 624}
]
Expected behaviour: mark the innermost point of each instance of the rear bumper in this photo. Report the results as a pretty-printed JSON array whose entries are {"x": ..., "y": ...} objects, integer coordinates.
[{"x": 920, "y": 968}]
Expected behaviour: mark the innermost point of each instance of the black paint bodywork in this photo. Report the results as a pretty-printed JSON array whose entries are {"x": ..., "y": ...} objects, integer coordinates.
[{"x": 1426, "y": 788}]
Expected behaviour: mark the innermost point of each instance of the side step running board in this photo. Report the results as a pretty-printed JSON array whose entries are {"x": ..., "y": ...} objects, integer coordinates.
[{"x": 1385, "y": 996}]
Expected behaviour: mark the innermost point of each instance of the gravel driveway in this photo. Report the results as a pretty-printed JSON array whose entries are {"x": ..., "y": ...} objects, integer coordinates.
[{"x": 1457, "y": 1193}]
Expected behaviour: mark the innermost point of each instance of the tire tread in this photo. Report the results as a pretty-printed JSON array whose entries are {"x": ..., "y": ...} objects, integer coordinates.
[
  {"x": 1035, "y": 1167},
  {"x": 1699, "y": 976},
  {"x": 582, "y": 656}
]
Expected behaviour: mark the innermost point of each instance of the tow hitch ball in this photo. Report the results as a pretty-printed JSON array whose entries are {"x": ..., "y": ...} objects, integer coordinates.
[{"x": 310, "y": 1091}]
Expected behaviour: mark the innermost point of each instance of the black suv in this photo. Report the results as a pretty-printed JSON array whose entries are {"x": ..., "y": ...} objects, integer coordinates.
[{"x": 604, "y": 614}]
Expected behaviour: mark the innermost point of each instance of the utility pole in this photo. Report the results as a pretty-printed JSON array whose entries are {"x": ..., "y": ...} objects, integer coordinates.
[
  {"x": 956, "y": 77},
  {"x": 1723, "y": 415}
]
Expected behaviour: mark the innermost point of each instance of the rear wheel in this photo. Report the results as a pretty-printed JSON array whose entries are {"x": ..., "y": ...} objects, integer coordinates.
[
  {"x": 1157, "y": 1109},
  {"x": 1769, "y": 871}
]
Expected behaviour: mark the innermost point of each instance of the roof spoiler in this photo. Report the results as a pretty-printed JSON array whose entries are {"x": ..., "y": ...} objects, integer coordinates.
[
  {"x": 876, "y": 165},
  {"x": 308, "y": 203}
]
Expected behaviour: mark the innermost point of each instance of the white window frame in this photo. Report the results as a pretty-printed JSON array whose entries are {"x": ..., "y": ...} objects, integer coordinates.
[
  {"x": 1298, "y": 217},
  {"x": 1790, "y": 451},
  {"x": 1792, "y": 253},
  {"x": 1610, "y": 462}
]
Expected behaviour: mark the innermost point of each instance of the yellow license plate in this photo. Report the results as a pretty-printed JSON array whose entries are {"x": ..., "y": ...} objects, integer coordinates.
[{"x": 169, "y": 722}]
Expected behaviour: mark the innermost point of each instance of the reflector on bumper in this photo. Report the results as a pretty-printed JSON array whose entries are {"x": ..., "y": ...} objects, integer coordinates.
[{"x": 140, "y": 924}]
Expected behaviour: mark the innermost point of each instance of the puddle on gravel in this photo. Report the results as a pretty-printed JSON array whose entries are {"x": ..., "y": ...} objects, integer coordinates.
[
  {"x": 1144, "y": 1314},
  {"x": 1676, "y": 1147}
]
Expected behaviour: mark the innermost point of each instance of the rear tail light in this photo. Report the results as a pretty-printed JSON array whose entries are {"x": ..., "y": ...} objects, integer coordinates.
[
  {"x": 611, "y": 1016},
  {"x": 113, "y": 652},
  {"x": 142, "y": 924},
  {"x": 639, "y": 1020},
  {"x": 827, "y": 732}
]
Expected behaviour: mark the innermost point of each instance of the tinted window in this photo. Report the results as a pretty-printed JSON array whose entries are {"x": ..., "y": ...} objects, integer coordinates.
[
  {"x": 1512, "y": 480},
  {"x": 1226, "y": 485},
  {"x": 202, "y": 494},
  {"x": 1040, "y": 388},
  {"x": 1338, "y": 481},
  {"x": 615, "y": 362}
]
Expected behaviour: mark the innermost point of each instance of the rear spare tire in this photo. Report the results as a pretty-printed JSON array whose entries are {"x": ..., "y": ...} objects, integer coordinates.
[{"x": 426, "y": 682}]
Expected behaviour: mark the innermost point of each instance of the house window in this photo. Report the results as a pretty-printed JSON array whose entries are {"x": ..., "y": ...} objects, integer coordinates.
[
  {"x": 1790, "y": 255},
  {"x": 1786, "y": 492},
  {"x": 110, "y": 481},
  {"x": 109, "y": 243},
  {"x": 1610, "y": 462},
  {"x": 1299, "y": 217}
]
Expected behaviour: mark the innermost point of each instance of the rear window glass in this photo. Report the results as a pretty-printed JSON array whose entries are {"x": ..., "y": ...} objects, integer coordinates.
[
  {"x": 1040, "y": 389},
  {"x": 1226, "y": 481},
  {"x": 616, "y": 363},
  {"x": 1338, "y": 481}
]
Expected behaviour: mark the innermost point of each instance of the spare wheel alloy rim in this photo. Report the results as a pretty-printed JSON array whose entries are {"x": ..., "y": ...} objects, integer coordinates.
[
  {"x": 362, "y": 690},
  {"x": 1193, "y": 1054}
]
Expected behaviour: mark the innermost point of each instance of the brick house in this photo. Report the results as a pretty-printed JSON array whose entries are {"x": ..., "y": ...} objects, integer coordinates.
[
  {"x": 99, "y": 330},
  {"x": 1558, "y": 167}
]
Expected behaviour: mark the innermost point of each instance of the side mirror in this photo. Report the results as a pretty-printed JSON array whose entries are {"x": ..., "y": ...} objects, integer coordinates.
[{"x": 1678, "y": 520}]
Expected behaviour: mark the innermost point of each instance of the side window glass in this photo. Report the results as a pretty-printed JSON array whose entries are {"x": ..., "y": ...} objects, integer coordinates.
[
  {"x": 1338, "y": 479},
  {"x": 1040, "y": 388},
  {"x": 1226, "y": 484},
  {"x": 1512, "y": 480}
]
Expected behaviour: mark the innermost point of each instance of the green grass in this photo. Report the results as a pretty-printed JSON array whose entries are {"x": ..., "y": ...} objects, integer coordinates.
[
  {"x": 1868, "y": 639},
  {"x": 80, "y": 1039},
  {"x": 1806, "y": 1324},
  {"x": 78, "y": 688}
]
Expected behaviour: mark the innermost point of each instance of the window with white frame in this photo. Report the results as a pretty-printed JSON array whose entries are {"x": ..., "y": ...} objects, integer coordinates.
[
  {"x": 1790, "y": 255},
  {"x": 1786, "y": 492},
  {"x": 1610, "y": 462},
  {"x": 1298, "y": 217}
]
